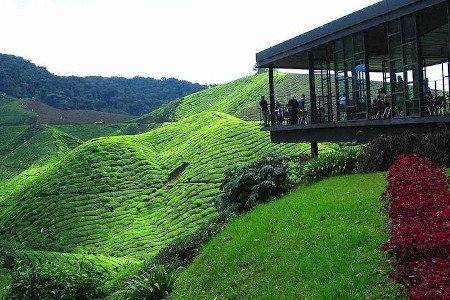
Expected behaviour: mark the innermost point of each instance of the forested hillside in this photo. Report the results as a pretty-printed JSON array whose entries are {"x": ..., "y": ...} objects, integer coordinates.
[{"x": 21, "y": 78}]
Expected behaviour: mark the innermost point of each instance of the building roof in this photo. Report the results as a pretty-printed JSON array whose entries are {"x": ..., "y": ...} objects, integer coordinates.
[{"x": 283, "y": 54}]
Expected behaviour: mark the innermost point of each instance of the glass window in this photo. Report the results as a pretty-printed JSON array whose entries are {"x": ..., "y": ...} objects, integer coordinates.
[
  {"x": 394, "y": 27},
  {"x": 396, "y": 52},
  {"x": 395, "y": 40},
  {"x": 339, "y": 56},
  {"x": 409, "y": 28},
  {"x": 397, "y": 65},
  {"x": 339, "y": 45},
  {"x": 359, "y": 43},
  {"x": 410, "y": 54},
  {"x": 411, "y": 74},
  {"x": 413, "y": 91},
  {"x": 348, "y": 44}
]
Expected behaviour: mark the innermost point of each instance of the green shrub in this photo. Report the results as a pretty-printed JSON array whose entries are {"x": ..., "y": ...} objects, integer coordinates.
[
  {"x": 380, "y": 153},
  {"x": 8, "y": 254},
  {"x": 244, "y": 187},
  {"x": 132, "y": 128},
  {"x": 154, "y": 284},
  {"x": 55, "y": 281},
  {"x": 331, "y": 164}
]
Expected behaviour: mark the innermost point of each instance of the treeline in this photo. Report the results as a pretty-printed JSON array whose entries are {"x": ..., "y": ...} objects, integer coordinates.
[{"x": 136, "y": 96}]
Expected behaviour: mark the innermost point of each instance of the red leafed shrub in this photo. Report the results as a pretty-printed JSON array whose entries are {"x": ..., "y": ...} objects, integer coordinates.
[{"x": 418, "y": 202}]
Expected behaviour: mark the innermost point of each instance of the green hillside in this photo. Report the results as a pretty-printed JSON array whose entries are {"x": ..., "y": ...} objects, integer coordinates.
[
  {"x": 87, "y": 132},
  {"x": 319, "y": 242},
  {"x": 241, "y": 97},
  {"x": 26, "y": 152},
  {"x": 88, "y": 193},
  {"x": 138, "y": 95},
  {"x": 116, "y": 197},
  {"x": 12, "y": 112}
]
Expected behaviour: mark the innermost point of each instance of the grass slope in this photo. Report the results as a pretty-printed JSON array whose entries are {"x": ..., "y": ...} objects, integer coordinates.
[
  {"x": 12, "y": 112},
  {"x": 112, "y": 196},
  {"x": 319, "y": 242}
]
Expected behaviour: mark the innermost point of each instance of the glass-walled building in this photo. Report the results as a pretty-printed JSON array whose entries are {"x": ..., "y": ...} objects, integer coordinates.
[{"x": 385, "y": 65}]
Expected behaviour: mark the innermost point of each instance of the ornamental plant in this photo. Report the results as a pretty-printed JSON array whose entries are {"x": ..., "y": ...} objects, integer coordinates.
[
  {"x": 246, "y": 186},
  {"x": 418, "y": 203}
]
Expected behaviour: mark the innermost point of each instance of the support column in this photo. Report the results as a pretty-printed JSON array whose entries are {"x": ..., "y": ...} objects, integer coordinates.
[
  {"x": 314, "y": 149},
  {"x": 273, "y": 120},
  {"x": 367, "y": 72},
  {"x": 312, "y": 89},
  {"x": 420, "y": 65},
  {"x": 448, "y": 55}
]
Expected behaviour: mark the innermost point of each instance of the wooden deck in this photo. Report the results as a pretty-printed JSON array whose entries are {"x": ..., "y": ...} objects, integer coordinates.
[{"x": 360, "y": 131}]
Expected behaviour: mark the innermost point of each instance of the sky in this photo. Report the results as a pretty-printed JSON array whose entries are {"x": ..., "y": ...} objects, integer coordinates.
[{"x": 204, "y": 41}]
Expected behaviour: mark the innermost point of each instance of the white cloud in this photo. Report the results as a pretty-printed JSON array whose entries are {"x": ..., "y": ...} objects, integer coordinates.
[{"x": 197, "y": 40}]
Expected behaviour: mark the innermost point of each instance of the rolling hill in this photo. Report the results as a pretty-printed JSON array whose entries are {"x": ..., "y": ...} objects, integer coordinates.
[
  {"x": 115, "y": 196},
  {"x": 117, "y": 200}
]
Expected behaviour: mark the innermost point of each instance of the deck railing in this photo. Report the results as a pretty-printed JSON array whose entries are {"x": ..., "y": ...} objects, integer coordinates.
[{"x": 436, "y": 104}]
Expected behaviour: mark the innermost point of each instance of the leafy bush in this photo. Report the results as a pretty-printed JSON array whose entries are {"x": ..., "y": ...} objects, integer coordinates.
[
  {"x": 244, "y": 187},
  {"x": 330, "y": 164},
  {"x": 132, "y": 128},
  {"x": 419, "y": 208},
  {"x": 380, "y": 153},
  {"x": 8, "y": 254},
  {"x": 54, "y": 281},
  {"x": 154, "y": 284}
]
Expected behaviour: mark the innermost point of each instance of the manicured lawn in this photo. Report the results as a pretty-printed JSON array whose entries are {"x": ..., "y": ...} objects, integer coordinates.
[{"x": 319, "y": 242}]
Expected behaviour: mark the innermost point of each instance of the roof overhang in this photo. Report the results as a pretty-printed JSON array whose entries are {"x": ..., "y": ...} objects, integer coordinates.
[{"x": 281, "y": 55}]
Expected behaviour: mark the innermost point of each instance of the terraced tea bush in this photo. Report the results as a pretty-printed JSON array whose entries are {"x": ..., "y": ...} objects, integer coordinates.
[
  {"x": 115, "y": 196},
  {"x": 55, "y": 281},
  {"x": 153, "y": 284},
  {"x": 334, "y": 163},
  {"x": 8, "y": 253},
  {"x": 244, "y": 187},
  {"x": 380, "y": 153},
  {"x": 164, "y": 113}
]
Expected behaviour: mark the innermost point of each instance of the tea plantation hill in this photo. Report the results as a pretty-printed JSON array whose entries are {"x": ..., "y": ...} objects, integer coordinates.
[
  {"x": 116, "y": 196},
  {"x": 26, "y": 152},
  {"x": 28, "y": 148},
  {"x": 127, "y": 197},
  {"x": 239, "y": 98}
]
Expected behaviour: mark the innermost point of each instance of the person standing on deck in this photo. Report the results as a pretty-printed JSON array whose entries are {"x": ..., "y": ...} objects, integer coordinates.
[
  {"x": 264, "y": 110},
  {"x": 301, "y": 108},
  {"x": 293, "y": 111}
]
